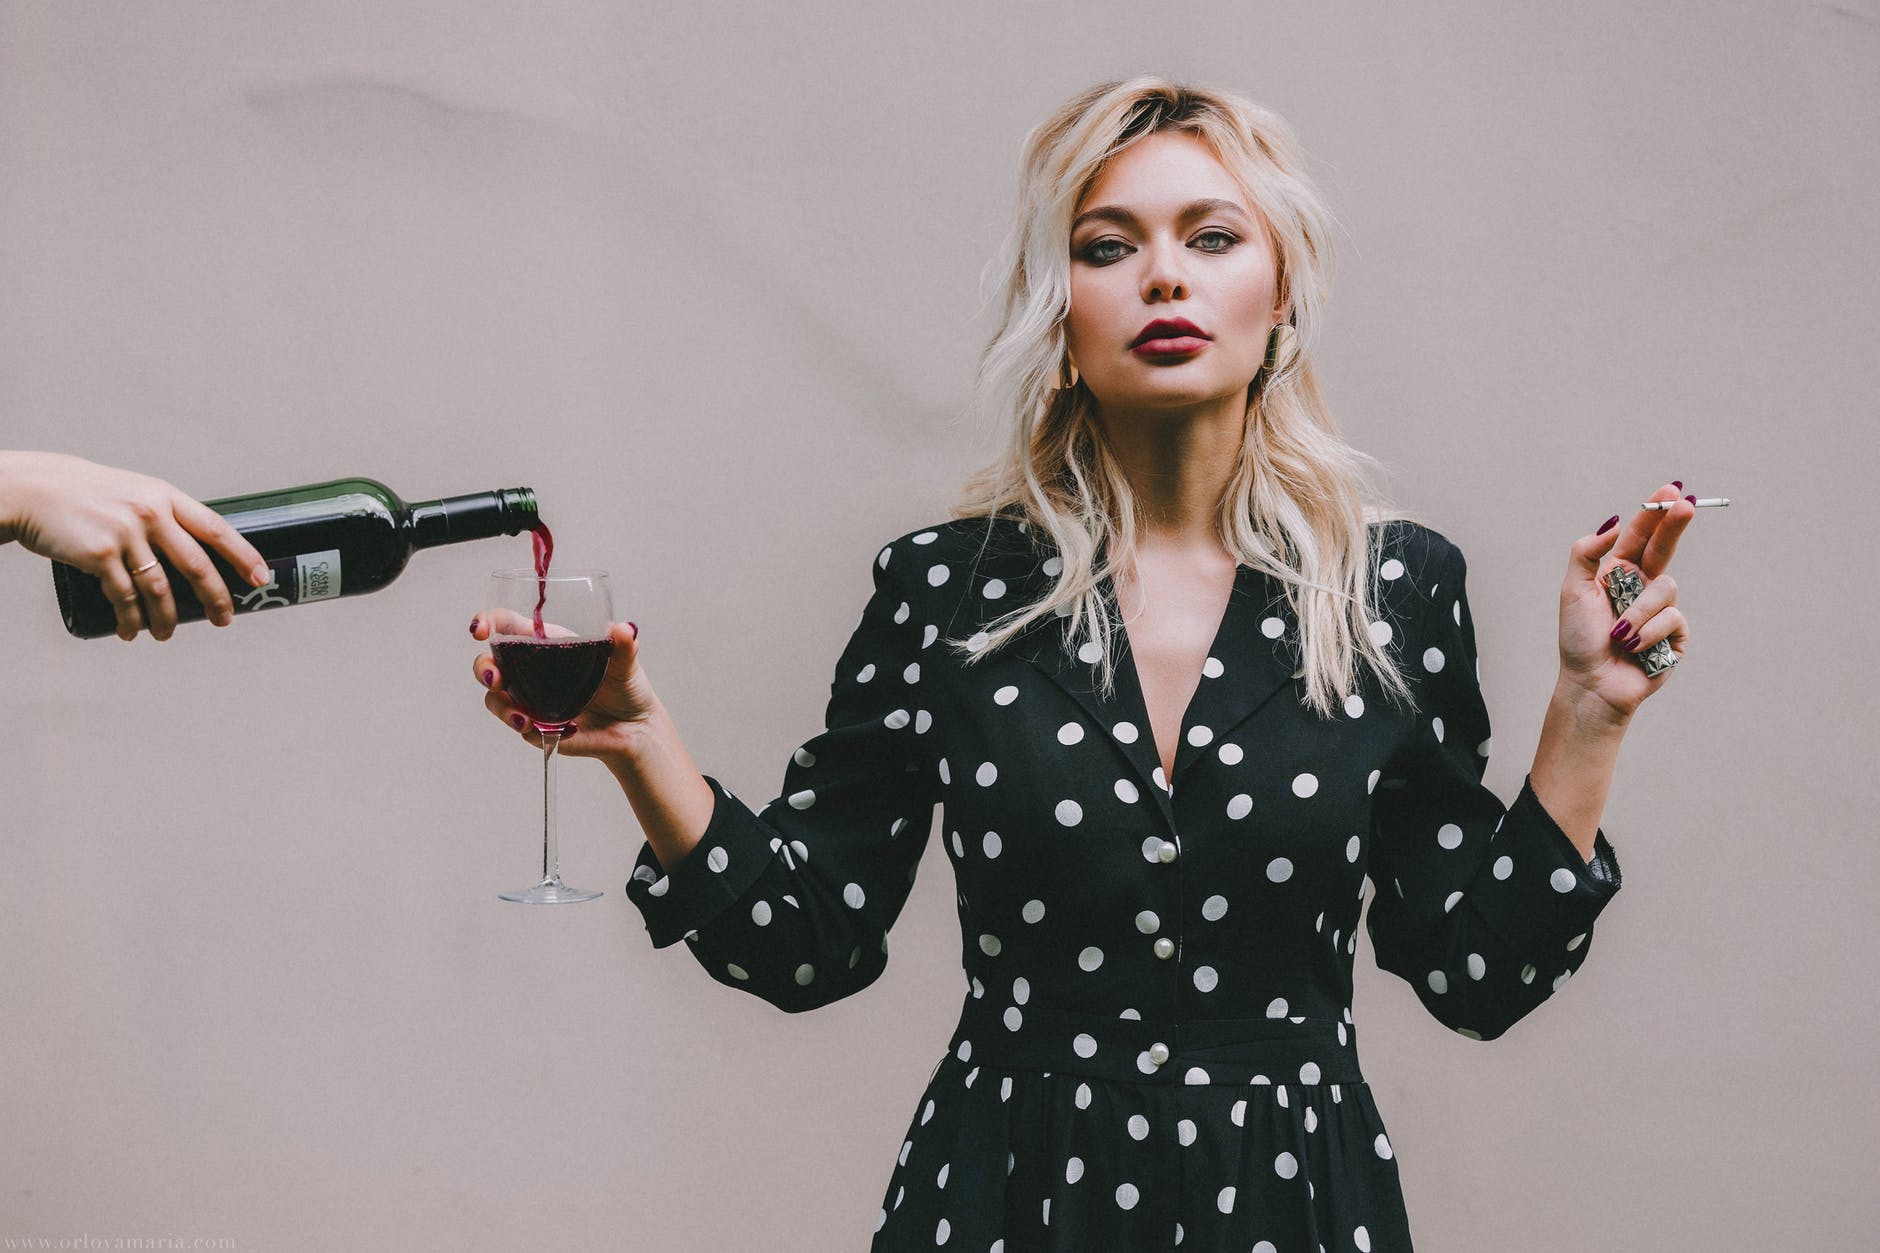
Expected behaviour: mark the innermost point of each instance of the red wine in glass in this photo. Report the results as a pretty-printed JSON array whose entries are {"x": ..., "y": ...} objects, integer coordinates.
[
  {"x": 552, "y": 680},
  {"x": 551, "y": 640}
]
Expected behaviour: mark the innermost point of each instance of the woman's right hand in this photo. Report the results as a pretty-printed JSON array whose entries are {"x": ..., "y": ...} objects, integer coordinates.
[{"x": 620, "y": 709}]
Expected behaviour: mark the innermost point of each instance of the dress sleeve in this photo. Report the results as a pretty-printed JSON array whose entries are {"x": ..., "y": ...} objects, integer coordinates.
[
  {"x": 1484, "y": 909},
  {"x": 793, "y": 902}
]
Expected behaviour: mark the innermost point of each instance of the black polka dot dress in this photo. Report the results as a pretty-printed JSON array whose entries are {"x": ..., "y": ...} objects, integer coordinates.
[{"x": 1155, "y": 1048}]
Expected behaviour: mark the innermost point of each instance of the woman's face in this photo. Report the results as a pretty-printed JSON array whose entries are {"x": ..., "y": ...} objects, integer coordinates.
[{"x": 1165, "y": 233}]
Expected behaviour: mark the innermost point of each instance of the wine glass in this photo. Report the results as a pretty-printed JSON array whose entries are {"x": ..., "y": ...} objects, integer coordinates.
[{"x": 549, "y": 634}]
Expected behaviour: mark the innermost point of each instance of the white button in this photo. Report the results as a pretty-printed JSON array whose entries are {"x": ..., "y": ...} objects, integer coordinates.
[
  {"x": 1166, "y": 853},
  {"x": 1158, "y": 1053},
  {"x": 1165, "y": 948}
]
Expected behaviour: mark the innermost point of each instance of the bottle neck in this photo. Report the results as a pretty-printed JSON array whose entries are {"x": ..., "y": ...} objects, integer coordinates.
[{"x": 481, "y": 515}]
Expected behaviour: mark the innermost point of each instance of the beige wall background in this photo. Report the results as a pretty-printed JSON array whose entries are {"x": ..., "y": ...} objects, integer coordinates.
[{"x": 706, "y": 277}]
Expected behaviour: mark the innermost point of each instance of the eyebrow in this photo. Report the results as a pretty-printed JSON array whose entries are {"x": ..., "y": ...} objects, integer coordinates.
[{"x": 1123, "y": 217}]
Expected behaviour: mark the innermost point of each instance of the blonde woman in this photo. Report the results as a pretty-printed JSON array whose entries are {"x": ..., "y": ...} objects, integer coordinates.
[{"x": 1181, "y": 686}]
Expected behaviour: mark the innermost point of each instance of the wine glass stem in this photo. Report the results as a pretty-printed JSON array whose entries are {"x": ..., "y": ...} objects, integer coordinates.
[{"x": 551, "y": 854}]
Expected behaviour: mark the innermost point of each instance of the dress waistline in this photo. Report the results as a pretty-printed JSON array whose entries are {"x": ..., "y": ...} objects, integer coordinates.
[{"x": 1224, "y": 1051}]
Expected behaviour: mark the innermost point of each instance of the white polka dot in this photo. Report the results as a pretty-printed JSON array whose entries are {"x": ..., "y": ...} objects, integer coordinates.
[
  {"x": 1090, "y": 958},
  {"x": 1352, "y": 846},
  {"x": 1433, "y": 660},
  {"x": 1467, "y": 1034},
  {"x": 1196, "y": 1077},
  {"x": 1083, "y": 1096},
  {"x": 1214, "y": 908},
  {"x": 1125, "y": 732},
  {"x": 1206, "y": 979},
  {"x": 1033, "y": 911},
  {"x": 1147, "y": 922},
  {"x": 1370, "y": 784},
  {"x": 1230, "y": 754},
  {"x": 803, "y": 799},
  {"x": 1279, "y": 870},
  {"x": 1380, "y": 633},
  {"x": 805, "y": 973},
  {"x": 1451, "y": 901},
  {"x": 1362, "y": 1239},
  {"x": 866, "y": 673},
  {"x": 1126, "y": 792},
  {"x": 1560, "y": 980},
  {"x": 1005, "y": 695},
  {"x": 936, "y": 575},
  {"x": 959, "y": 849},
  {"x": 1200, "y": 737},
  {"x": 946, "y": 772},
  {"x": 1073, "y": 1170},
  {"x": 922, "y": 721},
  {"x": 1285, "y": 1165},
  {"x": 1527, "y": 974},
  {"x": 718, "y": 859},
  {"x": 992, "y": 844},
  {"x": 1439, "y": 982},
  {"x": 1084, "y": 1045},
  {"x": 736, "y": 971},
  {"x": 965, "y": 1052},
  {"x": 1272, "y": 628},
  {"x": 1071, "y": 733},
  {"x": 1382, "y": 1145},
  {"x": 1021, "y": 990},
  {"x": 941, "y": 1178},
  {"x": 1354, "y": 706},
  {"x": 1240, "y": 806},
  {"x": 1089, "y": 652},
  {"x": 1265, "y": 1246},
  {"x": 926, "y": 1112},
  {"x": 1238, "y": 1114},
  {"x": 1477, "y": 967},
  {"x": 1449, "y": 835},
  {"x": 989, "y": 945},
  {"x": 1276, "y": 1008},
  {"x": 1185, "y": 1131},
  {"x": 1212, "y": 668},
  {"x": 894, "y": 722},
  {"x": 1161, "y": 781},
  {"x": 1504, "y": 866},
  {"x": 1069, "y": 813},
  {"x": 1562, "y": 880},
  {"x": 1225, "y": 1201},
  {"x": 1391, "y": 569},
  {"x": 760, "y": 913},
  {"x": 1305, "y": 785},
  {"x": 1013, "y": 1019},
  {"x": 852, "y": 896},
  {"x": 1053, "y": 566},
  {"x": 1138, "y": 1127},
  {"x": 1576, "y": 941},
  {"x": 1309, "y": 1073},
  {"x": 993, "y": 589},
  {"x": 1312, "y": 1119},
  {"x": 1436, "y": 726},
  {"x": 1127, "y": 1196},
  {"x": 986, "y": 775},
  {"x": 912, "y": 673}
]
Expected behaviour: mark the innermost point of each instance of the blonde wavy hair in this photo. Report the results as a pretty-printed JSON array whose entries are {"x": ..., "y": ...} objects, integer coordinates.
[{"x": 1300, "y": 502}]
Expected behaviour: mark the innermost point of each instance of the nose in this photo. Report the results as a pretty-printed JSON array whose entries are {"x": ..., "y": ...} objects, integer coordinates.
[{"x": 1165, "y": 276}]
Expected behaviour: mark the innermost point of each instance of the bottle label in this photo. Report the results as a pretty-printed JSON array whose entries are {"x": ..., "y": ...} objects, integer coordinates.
[{"x": 308, "y": 576}]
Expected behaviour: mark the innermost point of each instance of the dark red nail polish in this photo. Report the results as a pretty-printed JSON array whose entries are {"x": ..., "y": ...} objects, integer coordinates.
[
  {"x": 473, "y": 623},
  {"x": 516, "y": 721},
  {"x": 1633, "y": 645},
  {"x": 487, "y": 676},
  {"x": 1692, "y": 499},
  {"x": 1621, "y": 629},
  {"x": 636, "y": 632},
  {"x": 1678, "y": 483},
  {"x": 1607, "y": 525}
]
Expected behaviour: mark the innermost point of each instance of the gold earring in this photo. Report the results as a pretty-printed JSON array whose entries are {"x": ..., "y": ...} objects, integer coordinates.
[
  {"x": 1281, "y": 346},
  {"x": 1067, "y": 373}
]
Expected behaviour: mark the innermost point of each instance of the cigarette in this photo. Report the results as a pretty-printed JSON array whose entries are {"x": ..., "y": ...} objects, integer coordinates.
[{"x": 1708, "y": 502}]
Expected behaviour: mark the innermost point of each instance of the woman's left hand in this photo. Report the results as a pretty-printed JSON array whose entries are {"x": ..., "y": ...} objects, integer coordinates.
[{"x": 1595, "y": 665}]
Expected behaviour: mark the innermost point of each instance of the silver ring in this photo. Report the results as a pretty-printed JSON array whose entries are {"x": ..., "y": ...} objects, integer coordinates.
[{"x": 148, "y": 565}]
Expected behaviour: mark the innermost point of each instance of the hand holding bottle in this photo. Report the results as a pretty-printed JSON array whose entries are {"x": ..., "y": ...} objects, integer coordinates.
[
  {"x": 116, "y": 524},
  {"x": 621, "y": 707}
]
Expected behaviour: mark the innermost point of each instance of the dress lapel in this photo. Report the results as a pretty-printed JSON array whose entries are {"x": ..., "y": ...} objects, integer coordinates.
[{"x": 1246, "y": 667}]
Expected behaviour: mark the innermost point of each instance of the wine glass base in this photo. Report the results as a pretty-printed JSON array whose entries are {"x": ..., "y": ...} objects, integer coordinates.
[{"x": 550, "y": 892}]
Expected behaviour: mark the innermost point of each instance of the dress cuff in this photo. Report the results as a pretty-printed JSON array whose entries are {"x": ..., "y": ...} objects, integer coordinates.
[
  {"x": 1539, "y": 892},
  {"x": 729, "y": 857}
]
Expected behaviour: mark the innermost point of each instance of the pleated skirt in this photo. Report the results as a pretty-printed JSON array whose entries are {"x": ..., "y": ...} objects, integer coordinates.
[{"x": 1074, "y": 1135}]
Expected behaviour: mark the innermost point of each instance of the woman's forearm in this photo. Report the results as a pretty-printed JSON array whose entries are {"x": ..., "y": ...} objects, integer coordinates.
[
  {"x": 669, "y": 795},
  {"x": 1574, "y": 763}
]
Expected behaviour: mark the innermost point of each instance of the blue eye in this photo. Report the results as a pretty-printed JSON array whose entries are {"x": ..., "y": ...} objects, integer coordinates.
[
  {"x": 1090, "y": 252},
  {"x": 1231, "y": 241}
]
